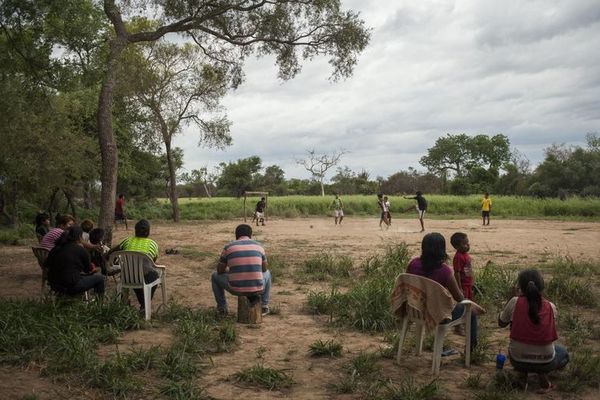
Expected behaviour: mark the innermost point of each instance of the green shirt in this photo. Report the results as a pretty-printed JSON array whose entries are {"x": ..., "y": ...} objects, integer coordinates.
[
  {"x": 337, "y": 203},
  {"x": 142, "y": 245}
]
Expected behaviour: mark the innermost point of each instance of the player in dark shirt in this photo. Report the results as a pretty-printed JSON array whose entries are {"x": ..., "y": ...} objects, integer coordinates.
[
  {"x": 421, "y": 207},
  {"x": 259, "y": 212}
]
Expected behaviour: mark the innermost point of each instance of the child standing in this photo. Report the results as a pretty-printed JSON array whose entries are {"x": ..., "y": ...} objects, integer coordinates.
[
  {"x": 386, "y": 211},
  {"x": 463, "y": 271},
  {"x": 486, "y": 208}
]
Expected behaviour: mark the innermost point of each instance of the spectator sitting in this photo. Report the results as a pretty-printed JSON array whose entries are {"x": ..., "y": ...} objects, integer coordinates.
[
  {"x": 64, "y": 222},
  {"x": 42, "y": 225},
  {"x": 69, "y": 266},
  {"x": 99, "y": 257},
  {"x": 86, "y": 225},
  {"x": 242, "y": 271},
  {"x": 143, "y": 244},
  {"x": 432, "y": 264},
  {"x": 532, "y": 321}
]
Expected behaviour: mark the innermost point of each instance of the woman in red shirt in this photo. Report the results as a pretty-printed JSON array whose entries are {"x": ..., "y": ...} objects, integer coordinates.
[{"x": 532, "y": 321}]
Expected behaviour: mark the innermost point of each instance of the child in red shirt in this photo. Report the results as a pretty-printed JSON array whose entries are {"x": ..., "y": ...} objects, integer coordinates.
[{"x": 463, "y": 272}]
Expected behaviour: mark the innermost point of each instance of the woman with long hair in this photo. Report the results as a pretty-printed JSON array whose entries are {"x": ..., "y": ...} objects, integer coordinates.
[
  {"x": 532, "y": 321},
  {"x": 69, "y": 266},
  {"x": 432, "y": 264}
]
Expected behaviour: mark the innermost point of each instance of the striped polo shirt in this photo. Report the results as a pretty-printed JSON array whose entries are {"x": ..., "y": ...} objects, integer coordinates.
[
  {"x": 140, "y": 244},
  {"x": 49, "y": 240},
  {"x": 244, "y": 258}
]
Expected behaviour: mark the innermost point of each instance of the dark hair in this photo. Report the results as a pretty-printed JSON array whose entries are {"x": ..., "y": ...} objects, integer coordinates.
[
  {"x": 96, "y": 235},
  {"x": 457, "y": 239},
  {"x": 73, "y": 234},
  {"x": 121, "y": 195},
  {"x": 64, "y": 219},
  {"x": 87, "y": 225},
  {"x": 41, "y": 217},
  {"x": 419, "y": 193},
  {"x": 531, "y": 284},
  {"x": 487, "y": 193},
  {"x": 243, "y": 230},
  {"x": 433, "y": 252},
  {"x": 379, "y": 195},
  {"x": 142, "y": 228}
]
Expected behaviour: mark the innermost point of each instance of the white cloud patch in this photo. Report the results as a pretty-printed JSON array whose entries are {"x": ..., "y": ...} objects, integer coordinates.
[{"x": 525, "y": 69}]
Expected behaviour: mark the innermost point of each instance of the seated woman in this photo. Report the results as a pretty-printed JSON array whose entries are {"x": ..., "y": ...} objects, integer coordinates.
[
  {"x": 432, "y": 264},
  {"x": 532, "y": 321},
  {"x": 69, "y": 266}
]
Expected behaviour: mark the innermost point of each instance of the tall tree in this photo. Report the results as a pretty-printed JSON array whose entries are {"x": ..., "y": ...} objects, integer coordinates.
[
  {"x": 240, "y": 176},
  {"x": 180, "y": 87},
  {"x": 473, "y": 161},
  {"x": 319, "y": 164},
  {"x": 228, "y": 31}
]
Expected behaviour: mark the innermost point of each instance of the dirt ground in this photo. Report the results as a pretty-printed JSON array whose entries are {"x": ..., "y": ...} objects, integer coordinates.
[{"x": 286, "y": 336}]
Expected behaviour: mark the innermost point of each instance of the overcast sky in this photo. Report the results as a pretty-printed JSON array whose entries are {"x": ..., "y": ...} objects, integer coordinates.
[{"x": 527, "y": 69}]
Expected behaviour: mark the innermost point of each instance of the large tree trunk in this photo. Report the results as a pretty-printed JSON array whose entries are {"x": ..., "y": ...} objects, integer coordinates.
[
  {"x": 172, "y": 181},
  {"x": 108, "y": 144},
  {"x": 206, "y": 189}
]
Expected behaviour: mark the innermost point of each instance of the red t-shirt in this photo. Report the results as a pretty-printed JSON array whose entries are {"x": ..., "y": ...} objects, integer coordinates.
[
  {"x": 462, "y": 265},
  {"x": 119, "y": 206}
]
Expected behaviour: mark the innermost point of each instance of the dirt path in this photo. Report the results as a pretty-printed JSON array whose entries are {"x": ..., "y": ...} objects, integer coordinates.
[{"x": 285, "y": 337}]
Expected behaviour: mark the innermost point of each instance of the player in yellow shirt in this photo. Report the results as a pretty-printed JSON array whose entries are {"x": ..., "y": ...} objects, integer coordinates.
[{"x": 486, "y": 208}]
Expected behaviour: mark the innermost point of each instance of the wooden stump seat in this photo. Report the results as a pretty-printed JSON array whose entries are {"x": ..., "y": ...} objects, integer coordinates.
[{"x": 247, "y": 314}]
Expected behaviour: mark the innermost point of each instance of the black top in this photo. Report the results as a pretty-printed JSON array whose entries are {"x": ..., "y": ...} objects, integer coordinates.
[
  {"x": 260, "y": 206},
  {"x": 65, "y": 265},
  {"x": 421, "y": 202},
  {"x": 41, "y": 230}
]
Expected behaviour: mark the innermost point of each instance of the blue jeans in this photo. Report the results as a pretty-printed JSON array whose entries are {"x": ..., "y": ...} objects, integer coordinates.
[
  {"x": 87, "y": 282},
  {"x": 561, "y": 359},
  {"x": 458, "y": 312},
  {"x": 220, "y": 283}
]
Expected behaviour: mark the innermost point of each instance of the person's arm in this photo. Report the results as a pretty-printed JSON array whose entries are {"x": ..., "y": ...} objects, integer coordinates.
[
  {"x": 505, "y": 316},
  {"x": 454, "y": 289},
  {"x": 265, "y": 265},
  {"x": 457, "y": 278},
  {"x": 341, "y": 204},
  {"x": 221, "y": 267},
  {"x": 88, "y": 246}
]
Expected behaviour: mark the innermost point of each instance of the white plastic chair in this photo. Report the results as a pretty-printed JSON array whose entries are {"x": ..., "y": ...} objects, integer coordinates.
[
  {"x": 430, "y": 293},
  {"x": 132, "y": 276},
  {"x": 41, "y": 254}
]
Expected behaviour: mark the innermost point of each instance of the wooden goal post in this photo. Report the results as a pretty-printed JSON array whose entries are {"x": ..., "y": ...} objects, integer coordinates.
[{"x": 260, "y": 194}]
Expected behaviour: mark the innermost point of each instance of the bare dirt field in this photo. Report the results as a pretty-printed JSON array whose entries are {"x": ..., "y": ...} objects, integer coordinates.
[{"x": 284, "y": 338}]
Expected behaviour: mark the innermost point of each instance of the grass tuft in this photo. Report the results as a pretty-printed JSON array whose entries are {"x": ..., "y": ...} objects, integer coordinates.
[
  {"x": 264, "y": 377},
  {"x": 328, "y": 348}
]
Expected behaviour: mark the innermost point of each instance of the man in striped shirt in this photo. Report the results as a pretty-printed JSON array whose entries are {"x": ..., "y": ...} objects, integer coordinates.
[
  {"x": 242, "y": 271},
  {"x": 64, "y": 222},
  {"x": 142, "y": 244}
]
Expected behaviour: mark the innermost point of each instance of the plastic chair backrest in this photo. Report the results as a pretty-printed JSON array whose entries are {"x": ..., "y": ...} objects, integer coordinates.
[
  {"x": 41, "y": 254},
  {"x": 421, "y": 299},
  {"x": 132, "y": 266}
]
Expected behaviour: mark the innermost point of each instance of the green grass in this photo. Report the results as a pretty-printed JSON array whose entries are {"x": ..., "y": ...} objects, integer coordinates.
[
  {"x": 566, "y": 289},
  {"x": 328, "y": 348},
  {"x": 324, "y": 266},
  {"x": 62, "y": 337},
  {"x": 302, "y": 206},
  {"x": 408, "y": 389},
  {"x": 366, "y": 304},
  {"x": 264, "y": 377},
  {"x": 15, "y": 236}
]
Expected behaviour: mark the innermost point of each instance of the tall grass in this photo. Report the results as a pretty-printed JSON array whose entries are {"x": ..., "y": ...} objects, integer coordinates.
[
  {"x": 62, "y": 336},
  {"x": 439, "y": 205},
  {"x": 366, "y": 304}
]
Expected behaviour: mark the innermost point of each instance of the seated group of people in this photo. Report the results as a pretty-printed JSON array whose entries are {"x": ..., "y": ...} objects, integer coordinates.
[
  {"x": 532, "y": 318},
  {"x": 77, "y": 258}
]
